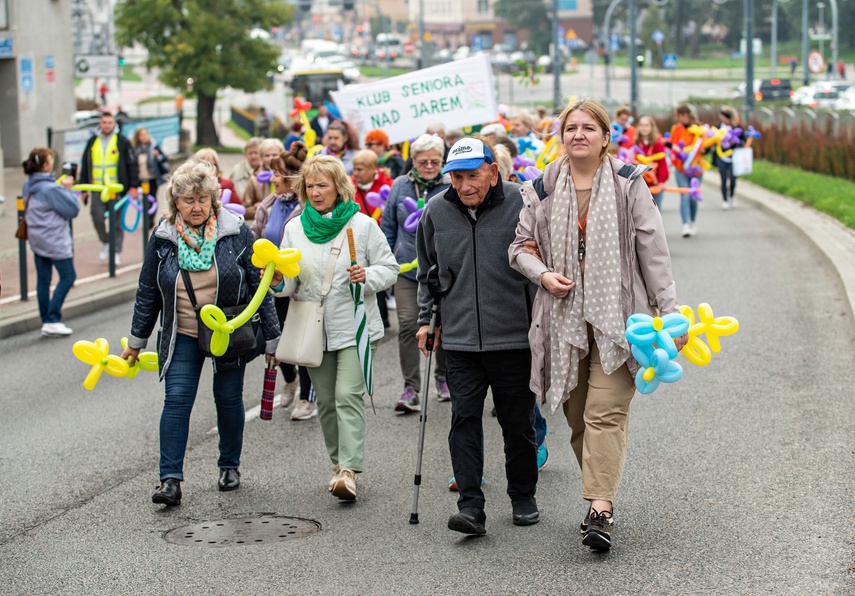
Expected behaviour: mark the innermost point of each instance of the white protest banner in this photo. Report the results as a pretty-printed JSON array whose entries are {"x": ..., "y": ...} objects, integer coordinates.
[{"x": 458, "y": 94}]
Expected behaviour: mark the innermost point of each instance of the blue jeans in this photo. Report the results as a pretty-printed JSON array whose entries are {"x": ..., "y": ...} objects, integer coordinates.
[
  {"x": 657, "y": 198},
  {"x": 50, "y": 309},
  {"x": 182, "y": 382},
  {"x": 688, "y": 205}
]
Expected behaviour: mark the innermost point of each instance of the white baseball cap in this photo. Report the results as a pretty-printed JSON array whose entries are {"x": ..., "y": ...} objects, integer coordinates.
[{"x": 467, "y": 154}]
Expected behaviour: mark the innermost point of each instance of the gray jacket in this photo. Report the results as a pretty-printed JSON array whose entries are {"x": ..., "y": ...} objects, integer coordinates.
[
  {"x": 49, "y": 209},
  {"x": 489, "y": 306}
]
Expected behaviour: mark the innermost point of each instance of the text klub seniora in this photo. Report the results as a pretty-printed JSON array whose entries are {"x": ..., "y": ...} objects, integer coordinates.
[{"x": 418, "y": 107}]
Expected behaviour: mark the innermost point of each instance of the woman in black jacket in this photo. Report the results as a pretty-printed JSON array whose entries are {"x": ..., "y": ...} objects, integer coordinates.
[{"x": 214, "y": 246}]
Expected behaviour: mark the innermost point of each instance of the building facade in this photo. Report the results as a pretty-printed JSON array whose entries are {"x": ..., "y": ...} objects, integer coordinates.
[{"x": 36, "y": 74}]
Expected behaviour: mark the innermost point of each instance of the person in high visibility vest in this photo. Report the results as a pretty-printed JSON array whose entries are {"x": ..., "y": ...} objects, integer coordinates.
[{"x": 108, "y": 154}]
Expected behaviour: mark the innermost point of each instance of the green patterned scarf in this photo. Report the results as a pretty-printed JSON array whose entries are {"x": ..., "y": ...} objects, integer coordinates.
[
  {"x": 196, "y": 246},
  {"x": 320, "y": 229},
  {"x": 425, "y": 185}
]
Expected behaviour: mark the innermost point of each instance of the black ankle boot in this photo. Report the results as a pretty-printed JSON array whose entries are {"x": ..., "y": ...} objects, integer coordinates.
[{"x": 169, "y": 492}]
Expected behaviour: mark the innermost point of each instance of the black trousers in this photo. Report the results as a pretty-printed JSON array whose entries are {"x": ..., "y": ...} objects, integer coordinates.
[
  {"x": 289, "y": 371},
  {"x": 507, "y": 374},
  {"x": 725, "y": 169}
]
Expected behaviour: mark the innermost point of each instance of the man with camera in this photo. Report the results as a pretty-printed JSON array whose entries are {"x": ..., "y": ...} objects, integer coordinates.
[
  {"x": 108, "y": 156},
  {"x": 484, "y": 327}
]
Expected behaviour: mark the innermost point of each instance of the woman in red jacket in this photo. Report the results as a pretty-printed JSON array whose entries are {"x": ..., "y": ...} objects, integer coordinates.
[{"x": 649, "y": 143}]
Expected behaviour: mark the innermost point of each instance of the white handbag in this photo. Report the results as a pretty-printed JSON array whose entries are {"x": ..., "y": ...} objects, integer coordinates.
[
  {"x": 302, "y": 339},
  {"x": 743, "y": 161}
]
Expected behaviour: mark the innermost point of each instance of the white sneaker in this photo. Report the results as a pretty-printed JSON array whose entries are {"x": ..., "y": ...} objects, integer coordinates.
[
  {"x": 289, "y": 392},
  {"x": 117, "y": 260},
  {"x": 725, "y": 206},
  {"x": 344, "y": 485},
  {"x": 687, "y": 231},
  {"x": 55, "y": 330},
  {"x": 304, "y": 410},
  {"x": 692, "y": 229},
  {"x": 391, "y": 304},
  {"x": 105, "y": 251},
  {"x": 733, "y": 202}
]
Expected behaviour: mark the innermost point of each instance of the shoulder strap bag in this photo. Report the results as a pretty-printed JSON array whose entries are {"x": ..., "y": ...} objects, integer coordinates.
[
  {"x": 302, "y": 339},
  {"x": 243, "y": 341}
]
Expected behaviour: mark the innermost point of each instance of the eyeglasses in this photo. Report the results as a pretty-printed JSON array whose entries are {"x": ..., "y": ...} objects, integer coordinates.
[
  {"x": 372, "y": 143},
  {"x": 434, "y": 163}
]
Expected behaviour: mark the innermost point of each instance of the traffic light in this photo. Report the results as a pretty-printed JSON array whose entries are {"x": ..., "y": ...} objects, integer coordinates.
[
  {"x": 121, "y": 60},
  {"x": 305, "y": 5},
  {"x": 639, "y": 60}
]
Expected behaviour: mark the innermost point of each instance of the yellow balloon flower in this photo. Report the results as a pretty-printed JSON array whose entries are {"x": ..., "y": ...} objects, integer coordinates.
[{"x": 97, "y": 354}]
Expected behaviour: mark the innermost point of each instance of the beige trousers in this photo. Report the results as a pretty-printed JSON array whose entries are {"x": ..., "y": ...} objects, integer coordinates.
[{"x": 598, "y": 414}]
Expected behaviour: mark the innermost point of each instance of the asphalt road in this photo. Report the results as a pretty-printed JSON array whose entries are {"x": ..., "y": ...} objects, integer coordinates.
[{"x": 738, "y": 478}]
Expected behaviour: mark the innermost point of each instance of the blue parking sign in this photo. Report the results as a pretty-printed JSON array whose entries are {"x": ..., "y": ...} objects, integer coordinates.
[
  {"x": 614, "y": 42},
  {"x": 26, "y": 75}
]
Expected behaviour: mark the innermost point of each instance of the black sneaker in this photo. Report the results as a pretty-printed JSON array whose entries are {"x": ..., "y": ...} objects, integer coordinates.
[
  {"x": 468, "y": 520},
  {"x": 598, "y": 535}
]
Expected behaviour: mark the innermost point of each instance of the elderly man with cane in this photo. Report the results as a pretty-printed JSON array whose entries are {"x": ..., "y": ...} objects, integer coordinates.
[{"x": 484, "y": 328}]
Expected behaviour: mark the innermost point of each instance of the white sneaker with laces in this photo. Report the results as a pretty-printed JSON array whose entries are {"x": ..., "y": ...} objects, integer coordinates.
[
  {"x": 117, "y": 260},
  {"x": 344, "y": 485},
  {"x": 725, "y": 206},
  {"x": 304, "y": 410},
  {"x": 105, "y": 251},
  {"x": 692, "y": 229},
  {"x": 687, "y": 231},
  {"x": 55, "y": 330},
  {"x": 733, "y": 202},
  {"x": 289, "y": 392}
]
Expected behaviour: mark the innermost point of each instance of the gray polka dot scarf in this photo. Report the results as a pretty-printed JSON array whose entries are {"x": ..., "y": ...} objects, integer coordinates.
[{"x": 596, "y": 301}]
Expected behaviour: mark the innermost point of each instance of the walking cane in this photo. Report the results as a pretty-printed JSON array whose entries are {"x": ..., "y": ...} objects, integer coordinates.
[{"x": 437, "y": 292}]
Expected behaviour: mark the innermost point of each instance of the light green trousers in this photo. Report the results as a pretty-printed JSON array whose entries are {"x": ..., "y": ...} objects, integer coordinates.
[{"x": 339, "y": 388}]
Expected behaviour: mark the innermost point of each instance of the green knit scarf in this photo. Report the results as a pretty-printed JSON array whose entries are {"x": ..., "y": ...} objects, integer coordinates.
[{"x": 320, "y": 229}]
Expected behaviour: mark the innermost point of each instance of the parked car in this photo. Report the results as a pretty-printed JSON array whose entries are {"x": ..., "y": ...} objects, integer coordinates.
[
  {"x": 767, "y": 89},
  {"x": 461, "y": 53},
  {"x": 823, "y": 98},
  {"x": 846, "y": 101}
]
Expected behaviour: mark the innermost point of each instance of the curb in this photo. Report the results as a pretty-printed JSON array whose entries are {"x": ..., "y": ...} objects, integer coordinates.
[
  {"x": 83, "y": 304},
  {"x": 835, "y": 241}
]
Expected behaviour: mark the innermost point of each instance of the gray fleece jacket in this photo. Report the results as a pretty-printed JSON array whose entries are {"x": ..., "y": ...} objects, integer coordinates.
[
  {"x": 489, "y": 306},
  {"x": 49, "y": 209}
]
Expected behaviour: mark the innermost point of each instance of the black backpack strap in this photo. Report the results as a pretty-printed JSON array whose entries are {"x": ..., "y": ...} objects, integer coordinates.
[{"x": 537, "y": 185}]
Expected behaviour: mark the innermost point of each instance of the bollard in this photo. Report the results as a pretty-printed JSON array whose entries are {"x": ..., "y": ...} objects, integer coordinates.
[
  {"x": 146, "y": 188},
  {"x": 22, "y": 253},
  {"x": 111, "y": 231}
]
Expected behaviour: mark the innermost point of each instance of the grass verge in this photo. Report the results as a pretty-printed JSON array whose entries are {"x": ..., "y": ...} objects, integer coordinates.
[
  {"x": 380, "y": 71},
  {"x": 156, "y": 99},
  {"x": 238, "y": 130},
  {"x": 834, "y": 196},
  {"x": 128, "y": 73}
]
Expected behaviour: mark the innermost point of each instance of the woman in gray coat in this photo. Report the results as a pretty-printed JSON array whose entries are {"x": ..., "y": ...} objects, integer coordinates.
[{"x": 49, "y": 209}]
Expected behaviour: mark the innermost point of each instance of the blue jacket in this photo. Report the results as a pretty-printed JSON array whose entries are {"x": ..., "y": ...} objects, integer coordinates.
[
  {"x": 395, "y": 214},
  {"x": 237, "y": 280},
  {"x": 49, "y": 209}
]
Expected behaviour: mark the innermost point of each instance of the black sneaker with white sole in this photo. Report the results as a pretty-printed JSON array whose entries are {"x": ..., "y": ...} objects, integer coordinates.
[{"x": 598, "y": 535}]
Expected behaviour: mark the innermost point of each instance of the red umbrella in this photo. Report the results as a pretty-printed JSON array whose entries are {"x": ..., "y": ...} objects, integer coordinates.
[{"x": 268, "y": 389}]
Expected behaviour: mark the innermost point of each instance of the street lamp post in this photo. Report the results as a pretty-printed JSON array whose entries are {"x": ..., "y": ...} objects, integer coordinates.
[
  {"x": 749, "y": 59},
  {"x": 806, "y": 75},
  {"x": 820, "y": 6},
  {"x": 633, "y": 64}
]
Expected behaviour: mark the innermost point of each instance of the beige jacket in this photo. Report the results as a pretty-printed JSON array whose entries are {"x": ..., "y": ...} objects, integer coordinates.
[{"x": 647, "y": 285}]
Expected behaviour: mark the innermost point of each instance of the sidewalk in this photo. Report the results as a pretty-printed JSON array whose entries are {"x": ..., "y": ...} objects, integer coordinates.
[{"x": 93, "y": 290}]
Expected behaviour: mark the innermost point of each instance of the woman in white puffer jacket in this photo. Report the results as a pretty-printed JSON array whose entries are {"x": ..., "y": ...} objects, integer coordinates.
[{"x": 329, "y": 209}]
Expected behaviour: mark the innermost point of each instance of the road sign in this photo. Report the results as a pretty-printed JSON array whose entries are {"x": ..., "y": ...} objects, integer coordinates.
[
  {"x": 50, "y": 69},
  {"x": 7, "y": 49},
  {"x": 669, "y": 61},
  {"x": 658, "y": 37},
  {"x": 96, "y": 66},
  {"x": 27, "y": 82},
  {"x": 816, "y": 63},
  {"x": 614, "y": 42}
]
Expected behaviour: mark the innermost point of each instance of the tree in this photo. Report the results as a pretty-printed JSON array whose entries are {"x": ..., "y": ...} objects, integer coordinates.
[
  {"x": 206, "y": 41},
  {"x": 531, "y": 15}
]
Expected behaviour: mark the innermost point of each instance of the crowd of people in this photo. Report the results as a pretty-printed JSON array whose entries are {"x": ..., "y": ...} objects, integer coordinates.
[{"x": 515, "y": 217}]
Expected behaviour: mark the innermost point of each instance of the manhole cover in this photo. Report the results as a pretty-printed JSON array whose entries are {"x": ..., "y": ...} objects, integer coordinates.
[{"x": 242, "y": 531}]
